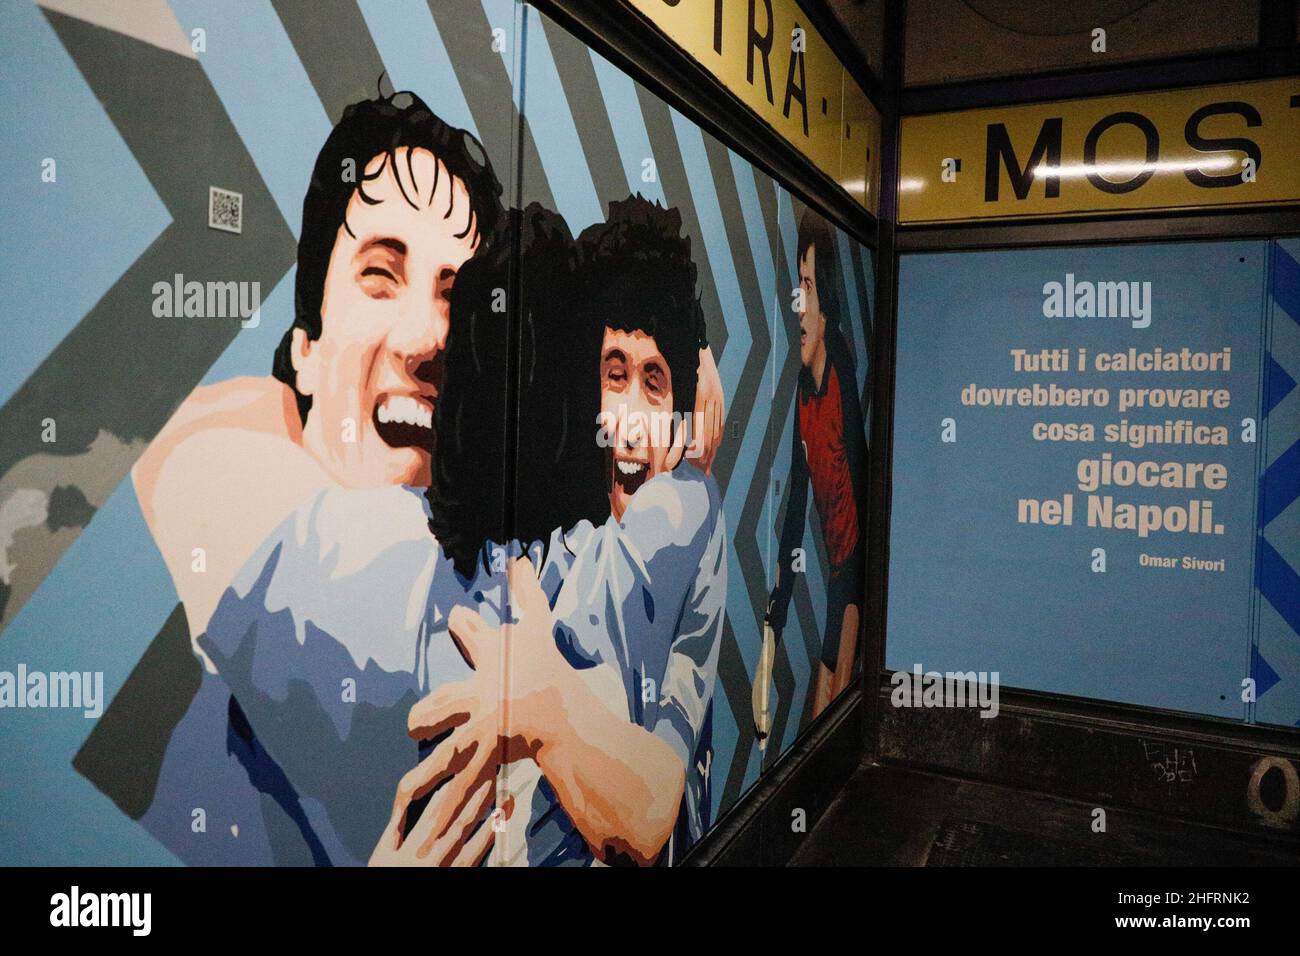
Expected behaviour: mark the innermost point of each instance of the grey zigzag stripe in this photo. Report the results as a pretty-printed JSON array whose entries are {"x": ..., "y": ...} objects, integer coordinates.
[
  {"x": 335, "y": 48},
  {"x": 131, "y": 369},
  {"x": 466, "y": 33}
]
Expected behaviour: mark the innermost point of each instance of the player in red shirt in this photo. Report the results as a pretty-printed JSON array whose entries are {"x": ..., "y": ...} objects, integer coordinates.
[{"x": 828, "y": 451}]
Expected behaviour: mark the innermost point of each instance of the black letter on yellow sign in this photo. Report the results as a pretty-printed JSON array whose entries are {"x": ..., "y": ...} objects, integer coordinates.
[
  {"x": 1192, "y": 134},
  {"x": 1090, "y": 151},
  {"x": 763, "y": 44},
  {"x": 999, "y": 149},
  {"x": 799, "y": 92}
]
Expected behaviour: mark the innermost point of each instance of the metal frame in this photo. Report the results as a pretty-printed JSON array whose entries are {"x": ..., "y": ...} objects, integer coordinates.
[
  {"x": 881, "y": 440},
  {"x": 1236, "y": 223},
  {"x": 755, "y": 830}
]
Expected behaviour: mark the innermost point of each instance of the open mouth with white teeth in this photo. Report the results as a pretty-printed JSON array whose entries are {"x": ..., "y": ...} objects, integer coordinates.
[
  {"x": 404, "y": 421},
  {"x": 630, "y": 475}
]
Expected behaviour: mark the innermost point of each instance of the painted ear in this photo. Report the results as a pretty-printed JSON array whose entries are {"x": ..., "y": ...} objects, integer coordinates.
[{"x": 305, "y": 363}]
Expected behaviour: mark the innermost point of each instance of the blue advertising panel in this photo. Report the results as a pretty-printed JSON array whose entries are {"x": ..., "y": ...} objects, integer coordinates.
[{"x": 1077, "y": 444}]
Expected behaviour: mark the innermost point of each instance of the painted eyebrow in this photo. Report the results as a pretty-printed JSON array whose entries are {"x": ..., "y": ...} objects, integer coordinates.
[
  {"x": 614, "y": 355},
  {"x": 386, "y": 242}
]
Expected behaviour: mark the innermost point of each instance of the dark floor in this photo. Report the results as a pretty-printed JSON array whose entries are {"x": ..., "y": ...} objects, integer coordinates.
[{"x": 891, "y": 816}]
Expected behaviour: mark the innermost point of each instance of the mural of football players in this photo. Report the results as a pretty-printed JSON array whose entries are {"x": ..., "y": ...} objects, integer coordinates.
[
  {"x": 828, "y": 452},
  {"x": 352, "y": 566}
]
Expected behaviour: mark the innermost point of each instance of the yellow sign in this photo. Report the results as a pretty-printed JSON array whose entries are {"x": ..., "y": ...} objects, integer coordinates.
[
  {"x": 767, "y": 54},
  {"x": 1231, "y": 145}
]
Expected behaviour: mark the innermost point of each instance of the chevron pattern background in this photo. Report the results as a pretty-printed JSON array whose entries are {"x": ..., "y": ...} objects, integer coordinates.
[
  {"x": 139, "y": 126},
  {"x": 1275, "y": 654}
]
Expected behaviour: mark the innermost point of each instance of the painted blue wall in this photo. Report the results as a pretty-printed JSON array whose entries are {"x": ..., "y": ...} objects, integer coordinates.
[{"x": 971, "y": 588}]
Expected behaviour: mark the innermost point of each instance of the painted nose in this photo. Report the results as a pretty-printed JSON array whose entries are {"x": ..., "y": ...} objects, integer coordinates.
[
  {"x": 419, "y": 339},
  {"x": 632, "y": 418}
]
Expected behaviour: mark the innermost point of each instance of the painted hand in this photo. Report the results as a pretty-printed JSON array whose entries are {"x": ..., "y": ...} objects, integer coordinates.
[
  {"x": 710, "y": 414},
  {"x": 469, "y": 717},
  {"x": 466, "y": 841}
]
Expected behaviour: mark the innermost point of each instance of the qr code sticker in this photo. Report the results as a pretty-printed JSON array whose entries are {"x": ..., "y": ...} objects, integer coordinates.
[{"x": 225, "y": 210}]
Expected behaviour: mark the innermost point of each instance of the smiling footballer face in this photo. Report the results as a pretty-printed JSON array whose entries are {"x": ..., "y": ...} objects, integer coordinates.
[
  {"x": 636, "y": 392},
  {"x": 374, "y": 372}
]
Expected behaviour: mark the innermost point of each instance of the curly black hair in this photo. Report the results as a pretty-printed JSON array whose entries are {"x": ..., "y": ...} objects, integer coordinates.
[
  {"x": 637, "y": 275},
  {"x": 371, "y": 128},
  {"x": 517, "y": 455}
]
